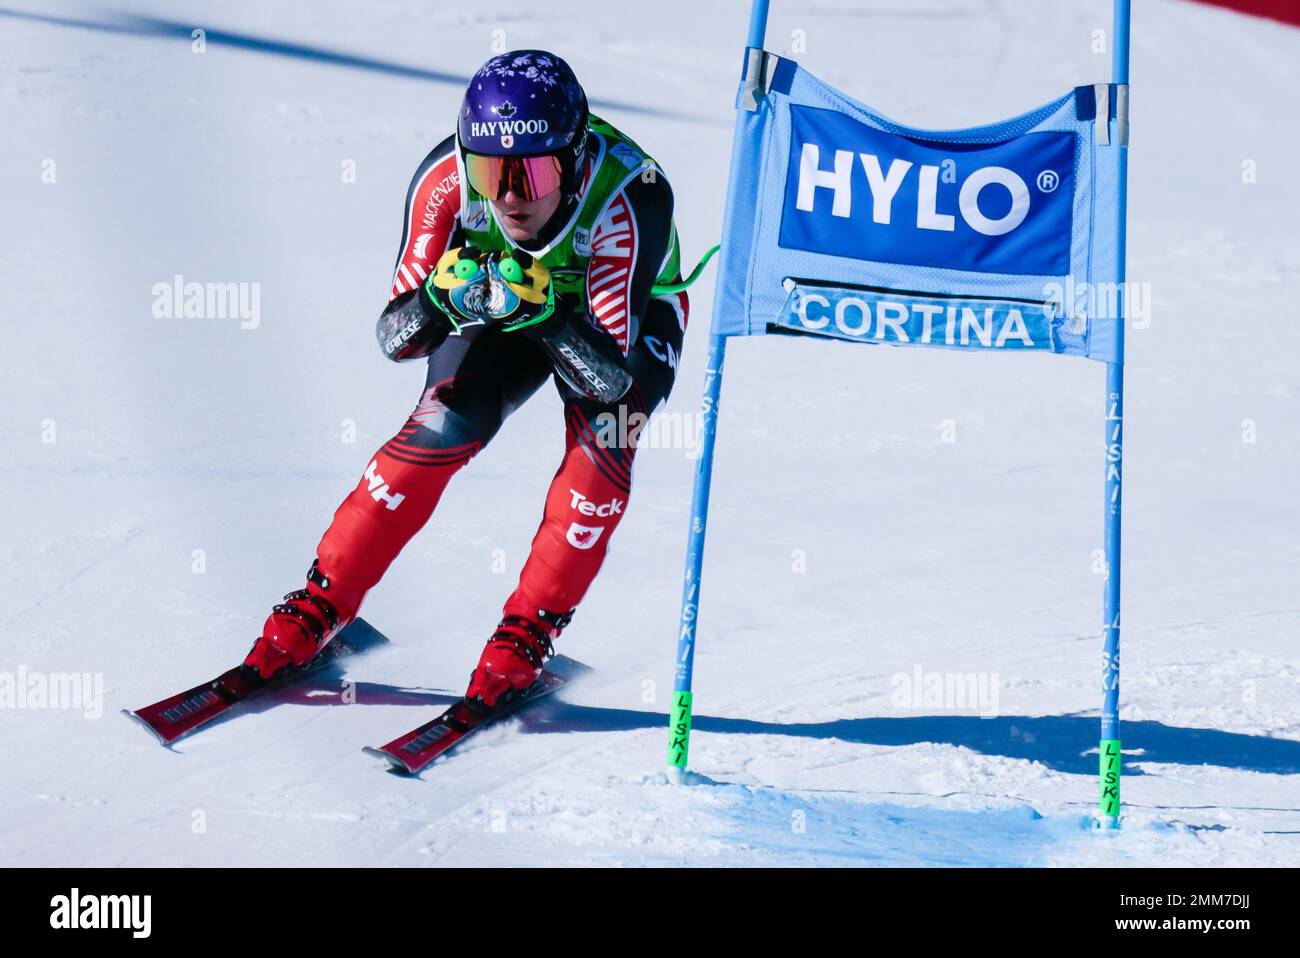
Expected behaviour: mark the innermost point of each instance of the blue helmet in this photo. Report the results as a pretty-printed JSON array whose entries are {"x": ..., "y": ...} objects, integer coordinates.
[{"x": 525, "y": 103}]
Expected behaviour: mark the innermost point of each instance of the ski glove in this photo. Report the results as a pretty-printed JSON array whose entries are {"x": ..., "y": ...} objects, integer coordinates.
[
  {"x": 471, "y": 286},
  {"x": 468, "y": 287},
  {"x": 515, "y": 291}
]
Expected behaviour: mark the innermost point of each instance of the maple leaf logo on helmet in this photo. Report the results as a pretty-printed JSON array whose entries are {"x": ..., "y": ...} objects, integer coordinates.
[{"x": 505, "y": 110}]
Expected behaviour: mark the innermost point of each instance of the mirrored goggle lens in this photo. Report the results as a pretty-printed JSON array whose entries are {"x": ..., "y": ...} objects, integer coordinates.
[{"x": 529, "y": 177}]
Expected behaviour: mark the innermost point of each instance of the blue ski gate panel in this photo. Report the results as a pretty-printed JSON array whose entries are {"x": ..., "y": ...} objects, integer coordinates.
[{"x": 863, "y": 229}]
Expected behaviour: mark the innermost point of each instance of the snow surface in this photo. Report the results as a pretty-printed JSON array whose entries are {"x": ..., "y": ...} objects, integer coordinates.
[{"x": 175, "y": 435}]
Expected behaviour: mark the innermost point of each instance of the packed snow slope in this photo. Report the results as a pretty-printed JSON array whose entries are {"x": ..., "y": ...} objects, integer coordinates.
[{"x": 879, "y": 513}]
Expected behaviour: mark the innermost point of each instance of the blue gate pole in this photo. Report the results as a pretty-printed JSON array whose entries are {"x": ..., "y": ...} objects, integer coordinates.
[
  {"x": 679, "y": 719},
  {"x": 1111, "y": 760}
]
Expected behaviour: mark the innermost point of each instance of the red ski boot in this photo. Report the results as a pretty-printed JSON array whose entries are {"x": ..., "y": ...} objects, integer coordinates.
[
  {"x": 514, "y": 656},
  {"x": 302, "y": 625}
]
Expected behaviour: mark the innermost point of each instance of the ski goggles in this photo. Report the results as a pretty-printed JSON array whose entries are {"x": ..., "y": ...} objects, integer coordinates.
[{"x": 528, "y": 177}]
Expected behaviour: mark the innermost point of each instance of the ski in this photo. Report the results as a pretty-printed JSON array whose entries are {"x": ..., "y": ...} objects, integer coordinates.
[
  {"x": 410, "y": 753},
  {"x": 181, "y": 714}
]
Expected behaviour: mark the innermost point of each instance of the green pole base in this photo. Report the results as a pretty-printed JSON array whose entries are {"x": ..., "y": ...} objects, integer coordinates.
[
  {"x": 679, "y": 731},
  {"x": 1108, "y": 807}
]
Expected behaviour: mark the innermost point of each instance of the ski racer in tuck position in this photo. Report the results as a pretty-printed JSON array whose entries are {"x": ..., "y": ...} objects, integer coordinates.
[{"x": 533, "y": 238}]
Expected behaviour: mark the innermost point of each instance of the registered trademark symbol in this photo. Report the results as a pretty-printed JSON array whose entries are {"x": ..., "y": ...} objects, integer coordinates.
[{"x": 1048, "y": 181}]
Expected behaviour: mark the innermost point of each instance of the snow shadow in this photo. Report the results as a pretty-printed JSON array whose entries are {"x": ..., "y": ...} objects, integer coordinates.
[
  {"x": 328, "y": 687},
  {"x": 1065, "y": 743},
  {"x": 147, "y": 26}
]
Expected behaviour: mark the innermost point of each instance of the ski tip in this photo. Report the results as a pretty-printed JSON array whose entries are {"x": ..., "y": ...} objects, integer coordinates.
[
  {"x": 395, "y": 764},
  {"x": 145, "y": 725}
]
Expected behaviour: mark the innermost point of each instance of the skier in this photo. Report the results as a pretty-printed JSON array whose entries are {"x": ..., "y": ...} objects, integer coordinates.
[{"x": 533, "y": 237}]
